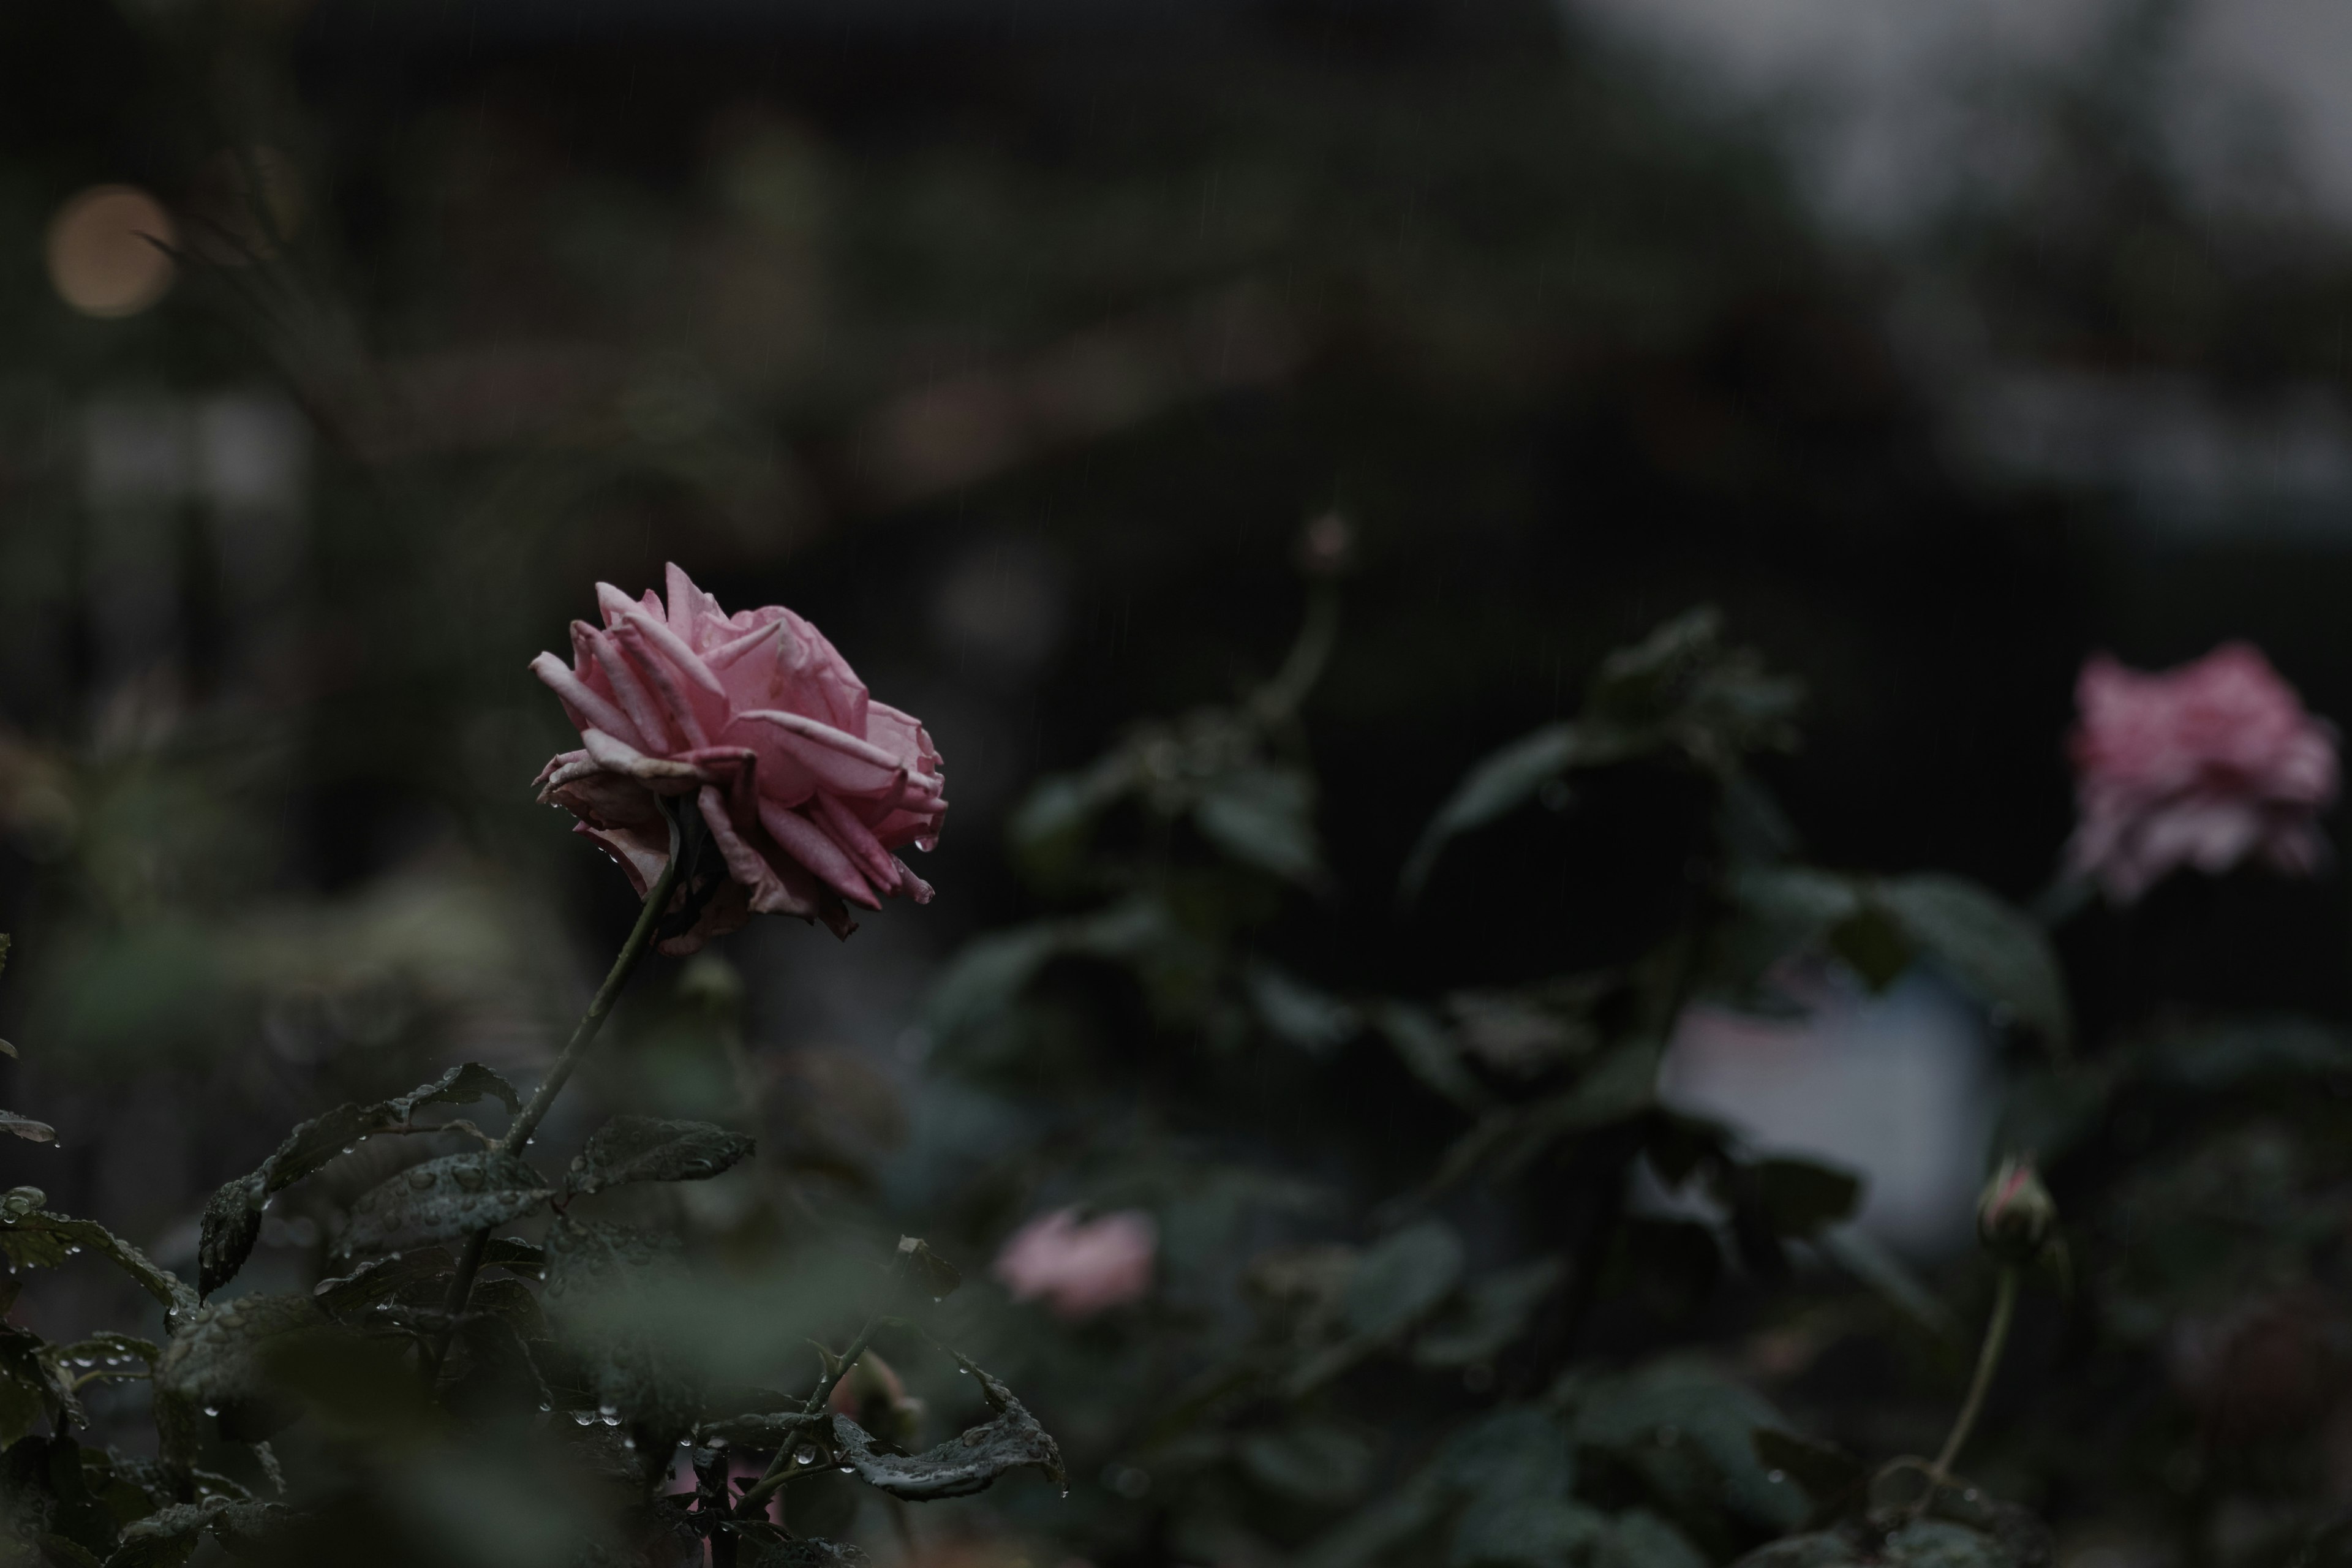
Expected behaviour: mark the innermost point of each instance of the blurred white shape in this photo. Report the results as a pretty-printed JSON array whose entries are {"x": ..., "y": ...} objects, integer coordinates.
[
  {"x": 1906, "y": 109},
  {"x": 1897, "y": 1088},
  {"x": 252, "y": 452}
]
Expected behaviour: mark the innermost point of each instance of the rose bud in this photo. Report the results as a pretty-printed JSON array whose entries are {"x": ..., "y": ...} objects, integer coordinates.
[
  {"x": 2207, "y": 765},
  {"x": 2016, "y": 1218},
  {"x": 805, "y": 784}
]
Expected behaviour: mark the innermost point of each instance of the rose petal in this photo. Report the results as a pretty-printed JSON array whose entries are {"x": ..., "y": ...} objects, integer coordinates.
[
  {"x": 807, "y": 844},
  {"x": 585, "y": 702}
]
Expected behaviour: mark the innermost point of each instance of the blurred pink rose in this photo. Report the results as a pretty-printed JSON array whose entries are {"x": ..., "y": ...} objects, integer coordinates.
[
  {"x": 2203, "y": 765},
  {"x": 805, "y": 783},
  {"x": 1080, "y": 1268}
]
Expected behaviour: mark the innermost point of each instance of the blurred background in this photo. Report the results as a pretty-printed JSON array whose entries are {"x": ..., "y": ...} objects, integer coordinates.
[{"x": 344, "y": 345}]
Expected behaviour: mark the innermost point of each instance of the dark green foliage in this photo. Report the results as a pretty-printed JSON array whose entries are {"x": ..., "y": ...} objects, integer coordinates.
[
  {"x": 440, "y": 1200},
  {"x": 233, "y": 1217},
  {"x": 642, "y": 1149},
  {"x": 969, "y": 1463}
]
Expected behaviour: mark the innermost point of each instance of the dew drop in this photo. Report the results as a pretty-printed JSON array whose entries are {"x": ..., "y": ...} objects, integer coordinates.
[
  {"x": 544, "y": 1406},
  {"x": 582, "y": 1417},
  {"x": 608, "y": 1410},
  {"x": 73, "y": 1252},
  {"x": 211, "y": 1409},
  {"x": 804, "y": 1455},
  {"x": 628, "y": 1442},
  {"x": 1776, "y": 1477},
  {"x": 610, "y": 1420}
]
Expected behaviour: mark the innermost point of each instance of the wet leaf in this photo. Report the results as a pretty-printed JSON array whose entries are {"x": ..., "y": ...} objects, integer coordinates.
[
  {"x": 442, "y": 1199},
  {"x": 218, "y": 1362},
  {"x": 765, "y": 1546},
  {"x": 39, "y": 1238},
  {"x": 24, "y": 1127},
  {"x": 232, "y": 1522},
  {"x": 928, "y": 1272},
  {"x": 961, "y": 1465},
  {"x": 417, "y": 1276},
  {"x": 33, "y": 1386},
  {"x": 644, "y": 1149},
  {"x": 232, "y": 1220}
]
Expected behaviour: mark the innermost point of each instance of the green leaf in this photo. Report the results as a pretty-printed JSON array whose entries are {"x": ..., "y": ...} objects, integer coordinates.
[
  {"x": 41, "y": 1239},
  {"x": 1428, "y": 1053},
  {"x": 1315, "y": 1021},
  {"x": 1989, "y": 945},
  {"x": 988, "y": 975},
  {"x": 644, "y": 1149},
  {"x": 1398, "y": 1280},
  {"x": 417, "y": 1276},
  {"x": 1502, "y": 782},
  {"x": 928, "y": 1272},
  {"x": 234, "y": 1523},
  {"x": 1318, "y": 1464},
  {"x": 218, "y": 1362},
  {"x": 765, "y": 1546},
  {"x": 231, "y": 1219},
  {"x": 1263, "y": 816},
  {"x": 442, "y": 1199},
  {"x": 1010, "y": 1440},
  {"x": 1493, "y": 1312},
  {"x": 38, "y": 1387},
  {"x": 24, "y": 1127},
  {"x": 1801, "y": 1197}
]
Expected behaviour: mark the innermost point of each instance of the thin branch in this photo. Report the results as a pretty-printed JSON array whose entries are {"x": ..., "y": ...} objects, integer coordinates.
[{"x": 526, "y": 1122}]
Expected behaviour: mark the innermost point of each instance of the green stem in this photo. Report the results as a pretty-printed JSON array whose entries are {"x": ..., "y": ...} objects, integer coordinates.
[
  {"x": 1278, "y": 699},
  {"x": 780, "y": 1469},
  {"x": 2004, "y": 1307},
  {"x": 526, "y": 1122}
]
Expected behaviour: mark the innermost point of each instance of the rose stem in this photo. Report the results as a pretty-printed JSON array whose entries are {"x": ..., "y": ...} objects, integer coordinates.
[
  {"x": 2004, "y": 1305},
  {"x": 755, "y": 1498},
  {"x": 526, "y": 1122}
]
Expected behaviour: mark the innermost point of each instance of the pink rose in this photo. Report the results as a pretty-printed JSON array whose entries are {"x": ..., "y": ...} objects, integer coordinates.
[
  {"x": 2203, "y": 765},
  {"x": 805, "y": 784},
  {"x": 1080, "y": 1268}
]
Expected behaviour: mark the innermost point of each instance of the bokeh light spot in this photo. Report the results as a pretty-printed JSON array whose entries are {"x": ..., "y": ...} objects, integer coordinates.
[{"x": 104, "y": 251}]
